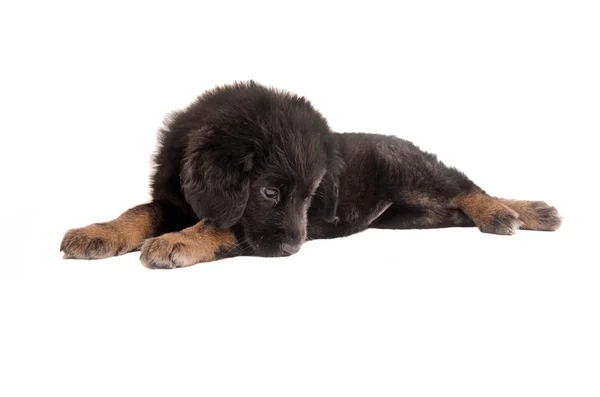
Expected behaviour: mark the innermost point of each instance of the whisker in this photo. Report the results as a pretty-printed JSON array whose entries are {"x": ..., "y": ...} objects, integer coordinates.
[{"x": 239, "y": 244}]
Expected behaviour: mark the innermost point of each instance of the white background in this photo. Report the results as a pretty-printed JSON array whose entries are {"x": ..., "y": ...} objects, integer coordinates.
[{"x": 507, "y": 91}]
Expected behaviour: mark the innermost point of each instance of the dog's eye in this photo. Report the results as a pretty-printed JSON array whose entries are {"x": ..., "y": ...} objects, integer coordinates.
[{"x": 270, "y": 193}]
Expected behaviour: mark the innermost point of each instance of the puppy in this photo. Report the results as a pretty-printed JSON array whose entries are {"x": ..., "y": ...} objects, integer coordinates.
[{"x": 250, "y": 170}]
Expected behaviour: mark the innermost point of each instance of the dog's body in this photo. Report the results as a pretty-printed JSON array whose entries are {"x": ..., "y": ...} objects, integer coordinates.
[{"x": 246, "y": 170}]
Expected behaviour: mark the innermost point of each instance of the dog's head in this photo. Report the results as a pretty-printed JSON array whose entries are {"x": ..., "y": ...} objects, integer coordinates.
[{"x": 257, "y": 162}]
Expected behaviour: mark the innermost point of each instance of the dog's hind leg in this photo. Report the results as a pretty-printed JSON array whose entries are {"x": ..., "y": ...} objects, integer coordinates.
[
  {"x": 475, "y": 208},
  {"x": 124, "y": 234},
  {"x": 426, "y": 193},
  {"x": 489, "y": 214},
  {"x": 535, "y": 215},
  {"x": 410, "y": 217},
  {"x": 502, "y": 216}
]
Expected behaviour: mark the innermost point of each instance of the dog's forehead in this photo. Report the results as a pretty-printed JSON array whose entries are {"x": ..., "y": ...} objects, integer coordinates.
[
  {"x": 294, "y": 148},
  {"x": 295, "y": 166},
  {"x": 305, "y": 158}
]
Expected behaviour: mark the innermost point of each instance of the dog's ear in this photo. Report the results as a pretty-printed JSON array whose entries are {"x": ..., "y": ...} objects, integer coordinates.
[
  {"x": 330, "y": 189},
  {"x": 215, "y": 179}
]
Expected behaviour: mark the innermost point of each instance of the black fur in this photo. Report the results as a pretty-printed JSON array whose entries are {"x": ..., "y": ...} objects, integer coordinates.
[{"x": 216, "y": 155}]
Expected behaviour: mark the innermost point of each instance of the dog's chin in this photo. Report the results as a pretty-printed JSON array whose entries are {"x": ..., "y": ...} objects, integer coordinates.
[
  {"x": 269, "y": 254},
  {"x": 268, "y": 251},
  {"x": 263, "y": 248}
]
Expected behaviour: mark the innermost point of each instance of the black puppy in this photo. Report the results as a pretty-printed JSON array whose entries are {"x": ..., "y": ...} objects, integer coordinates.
[{"x": 249, "y": 170}]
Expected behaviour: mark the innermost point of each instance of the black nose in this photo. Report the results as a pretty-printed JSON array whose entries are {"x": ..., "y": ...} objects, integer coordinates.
[{"x": 289, "y": 249}]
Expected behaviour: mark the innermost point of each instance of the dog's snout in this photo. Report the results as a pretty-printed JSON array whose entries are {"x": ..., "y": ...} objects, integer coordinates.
[{"x": 290, "y": 249}]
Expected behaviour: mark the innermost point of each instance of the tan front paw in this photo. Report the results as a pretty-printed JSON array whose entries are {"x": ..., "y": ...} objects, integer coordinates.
[
  {"x": 172, "y": 250},
  {"x": 95, "y": 241}
]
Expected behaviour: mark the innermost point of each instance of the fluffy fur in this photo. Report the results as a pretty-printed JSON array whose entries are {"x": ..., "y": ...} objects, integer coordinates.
[{"x": 219, "y": 161}]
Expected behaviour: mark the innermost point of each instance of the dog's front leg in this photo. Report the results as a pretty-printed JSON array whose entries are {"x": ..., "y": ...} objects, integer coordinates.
[
  {"x": 196, "y": 244},
  {"x": 118, "y": 236}
]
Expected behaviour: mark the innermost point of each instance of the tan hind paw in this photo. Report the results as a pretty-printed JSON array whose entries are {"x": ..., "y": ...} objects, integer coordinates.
[{"x": 536, "y": 215}]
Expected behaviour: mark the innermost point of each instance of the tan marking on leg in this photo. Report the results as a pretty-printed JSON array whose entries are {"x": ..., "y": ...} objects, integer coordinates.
[
  {"x": 489, "y": 214},
  {"x": 198, "y": 243},
  {"x": 535, "y": 215},
  {"x": 119, "y": 236}
]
